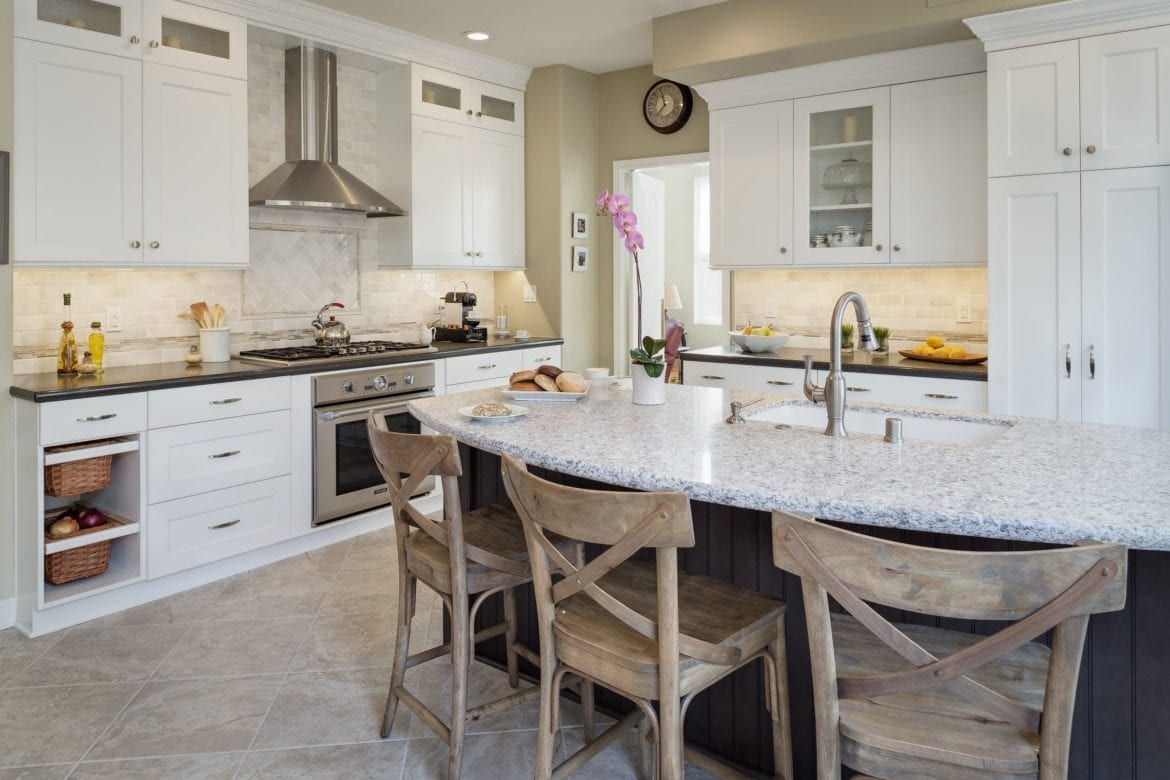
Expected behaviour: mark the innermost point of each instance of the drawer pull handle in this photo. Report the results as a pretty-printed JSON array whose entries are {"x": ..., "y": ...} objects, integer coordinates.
[
  {"x": 98, "y": 417},
  {"x": 225, "y": 401},
  {"x": 713, "y": 376},
  {"x": 943, "y": 396},
  {"x": 779, "y": 382},
  {"x": 543, "y": 359},
  {"x": 227, "y": 454},
  {"x": 221, "y": 526},
  {"x": 486, "y": 367},
  {"x": 857, "y": 389}
]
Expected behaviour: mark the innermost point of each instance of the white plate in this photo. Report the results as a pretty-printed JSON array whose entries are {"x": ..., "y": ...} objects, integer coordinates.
[
  {"x": 545, "y": 395},
  {"x": 517, "y": 411}
]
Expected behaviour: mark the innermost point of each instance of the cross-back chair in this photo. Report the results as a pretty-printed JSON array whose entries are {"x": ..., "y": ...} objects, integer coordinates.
[
  {"x": 895, "y": 700},
  {"x": 642, "y": 629},
  {"x": 473, "y": 554}
]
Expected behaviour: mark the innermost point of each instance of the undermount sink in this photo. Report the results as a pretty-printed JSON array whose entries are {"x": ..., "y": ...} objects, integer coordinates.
[{"x": 863, "y": 421}]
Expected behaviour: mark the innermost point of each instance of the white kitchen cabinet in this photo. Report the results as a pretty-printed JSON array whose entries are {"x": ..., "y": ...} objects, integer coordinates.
[
  {"x": 467, "y": 197},
  {"x": 830, "y": 131},
  {"x": 105, "y": 26},
  {"x": 77, "y": 181},
  {"x": 475, "y": 368},
  {"x": 938, "y": 171},
  {"x": 202, "y": 403},
  {"x": 751, "y": 186},
  {"x": 778, "y": 379},
  {"x": 89, "y": 419},
  {"x": 454, "y": 98},
  {"x": 532, "y": 357}
]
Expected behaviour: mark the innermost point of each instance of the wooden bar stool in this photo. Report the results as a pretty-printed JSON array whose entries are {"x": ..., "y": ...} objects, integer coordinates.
[
  {"x": 897, "y": 701},
  {"x": 643, "y": 629},
  {"x": 478, "y": 554}
]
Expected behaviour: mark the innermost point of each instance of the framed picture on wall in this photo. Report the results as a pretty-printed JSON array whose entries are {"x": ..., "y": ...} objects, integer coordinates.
[
  {"x": 580, "y": 259},
  {"x": 580, "y": 225},
  {"x": 3, "y": 208}
]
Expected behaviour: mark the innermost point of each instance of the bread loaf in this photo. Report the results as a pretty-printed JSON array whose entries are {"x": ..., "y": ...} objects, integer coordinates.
[
  {"x": 548, "y": 370},
  {"x": 527, "y": 387},
  {"x": 521, "y": 376},
  {"x": 571, "y": 382},
  {"x": 547, "y": 382}
]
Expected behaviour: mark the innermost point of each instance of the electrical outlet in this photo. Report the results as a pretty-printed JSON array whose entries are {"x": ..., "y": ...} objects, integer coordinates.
[
  {"x": 770, "y": 308},
  {"x": 113, "y": 323},
  {"x": 530, "y": 293},
  {"x": 962, "y": 310}
]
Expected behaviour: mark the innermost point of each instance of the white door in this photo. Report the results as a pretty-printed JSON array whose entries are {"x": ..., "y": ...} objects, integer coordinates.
[
  {"x": 1125, "y": 277},
  {"x": 1034, "y": 288},
  {"x": 195, "y": 167},
  {"x": 187, "y": 36},
  {"x": 648, "y": 200},
  {"x": 499, "y": 108},
  {"x": 498, "y": 200},
  {"x": 104, "y": 26},
  {"x": 751, "y": 186},
  {"x": 938, "y": 171},
  {"x": 1033, "y": 118},
  {"x": 1125, "y": 99},
  {"x": 831, "y": 131},
  {"x": 441, "y": 194},
  {"x": 77, "y": 194}
]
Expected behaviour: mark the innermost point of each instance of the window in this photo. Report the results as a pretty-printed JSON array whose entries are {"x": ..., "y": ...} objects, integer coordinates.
[{"x": 708, "y": 283}]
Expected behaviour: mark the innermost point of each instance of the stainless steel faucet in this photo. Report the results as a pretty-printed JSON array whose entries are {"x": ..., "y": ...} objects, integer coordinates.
[{"x": 833, "y": 393}]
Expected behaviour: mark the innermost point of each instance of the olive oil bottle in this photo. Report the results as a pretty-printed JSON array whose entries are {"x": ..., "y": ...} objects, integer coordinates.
[{"x": 67, "y": 357}]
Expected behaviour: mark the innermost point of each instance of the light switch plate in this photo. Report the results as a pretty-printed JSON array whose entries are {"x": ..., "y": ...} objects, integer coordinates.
[
  {"x": 113, "y": 323},
  {"x": 962, "y": 310},
  {"x": 530, "y": 293},
  {"x": 770, "y": 308}
]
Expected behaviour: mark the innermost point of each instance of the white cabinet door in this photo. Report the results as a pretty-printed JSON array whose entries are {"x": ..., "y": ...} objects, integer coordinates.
[
  {"x": 497, "y": 235},
  {"x": 195, "y": 165},
  {"x": 1125, "y": 99},
  {"x": 1034, "y": 284},
  {"x": 105, "y": 26},
  {"x": 1033, "y": 118},
  {"x": 441, "y": 193},
  {"x": 829, "y": 130},
  {"x": 751, "y": 186},
  {"x": 77, "y": 194},
  {"x": 498, "y": 108},
  {"x": 1125, "y": 299},
  {"x": 440, "y": 95},
  {"x": 938, "y": 171},
  {"x": 187, "y": 36}
]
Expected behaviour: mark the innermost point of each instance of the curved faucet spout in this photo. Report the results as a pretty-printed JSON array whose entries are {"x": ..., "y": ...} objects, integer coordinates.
[{"x": 834, "y": 390}]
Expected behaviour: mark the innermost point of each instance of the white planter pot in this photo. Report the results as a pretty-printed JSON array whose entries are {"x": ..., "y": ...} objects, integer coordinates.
[{"x": 648, "y": 391}]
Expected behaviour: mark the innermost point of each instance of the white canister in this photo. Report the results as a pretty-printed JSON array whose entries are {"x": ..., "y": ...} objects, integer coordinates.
[
  {"x": 425, "y": 334},
  {"x": 215, "y": 344}
]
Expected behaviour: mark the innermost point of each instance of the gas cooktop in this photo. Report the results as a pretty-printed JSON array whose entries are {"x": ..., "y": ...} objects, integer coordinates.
[{"x": 355, "y": 350}]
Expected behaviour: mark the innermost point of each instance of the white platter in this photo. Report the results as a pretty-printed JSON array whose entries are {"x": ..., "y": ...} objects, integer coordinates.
[
  {"x": 544, "y": 395},
  {"x": 517, "y": 411}
]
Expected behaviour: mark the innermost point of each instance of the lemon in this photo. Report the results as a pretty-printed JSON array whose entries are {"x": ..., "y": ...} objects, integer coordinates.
[
  {"x": 921, "y": 349},
  {"x": 935, "y": 342},
  {"x": 958, "y": 353},
  {"x": 942, "y": 352}
]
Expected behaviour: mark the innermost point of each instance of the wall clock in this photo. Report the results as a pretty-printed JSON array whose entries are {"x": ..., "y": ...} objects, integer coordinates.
[{"x": 667, "y": 106}]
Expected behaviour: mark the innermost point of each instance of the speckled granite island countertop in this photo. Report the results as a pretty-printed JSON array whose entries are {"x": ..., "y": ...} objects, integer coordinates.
[
  {"x": 859, "y": 361},
  {"x": 1041, "y": 481}
]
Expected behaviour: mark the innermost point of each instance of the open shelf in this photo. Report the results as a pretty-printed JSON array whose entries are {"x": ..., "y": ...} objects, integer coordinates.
[
  {"x": 113, "y": 577},
  {"x": 843, "y": 207},
  {"x": 118, "y": 529},
  {"x": 90, "y": 450},
  {"x": 832, "y": 147}
]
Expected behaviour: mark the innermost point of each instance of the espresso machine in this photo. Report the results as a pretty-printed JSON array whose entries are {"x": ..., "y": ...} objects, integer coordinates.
[{"x": 460, "y": 320}]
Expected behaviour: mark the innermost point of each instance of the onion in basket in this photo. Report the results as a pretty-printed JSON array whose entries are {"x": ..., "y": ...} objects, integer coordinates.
[
  {"x": 90, "y": 518},
  {"x": 63, "y": 526}
]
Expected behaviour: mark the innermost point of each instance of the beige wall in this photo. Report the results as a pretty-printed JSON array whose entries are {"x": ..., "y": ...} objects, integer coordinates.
[
  {"x": 7, "y": 508},
  {"x": 745, "y": 37},
  {"x": 624, "y": 135}
]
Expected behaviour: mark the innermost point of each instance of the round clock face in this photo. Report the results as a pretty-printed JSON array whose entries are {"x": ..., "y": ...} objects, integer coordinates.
[{"x": 667, "y": 106}]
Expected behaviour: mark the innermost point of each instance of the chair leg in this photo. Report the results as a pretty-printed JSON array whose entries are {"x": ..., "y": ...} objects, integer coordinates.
[
  {"x": 781, "y": 725},
  {"x": 406, "y": 586},
  {"x": 646, "y": 751},
  {"x": 461, "y": 632},
  {"x": 509, "y": 597},
  {"x": 546, "y": 736},
  {"x": 670, "y": 747},
  {"x": 587, "y": 712}
]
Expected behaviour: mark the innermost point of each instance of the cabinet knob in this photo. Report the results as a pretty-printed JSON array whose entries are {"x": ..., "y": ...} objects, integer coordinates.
[
  {"x": 467, "y": 253},
  {"x": 154, "y": 44},
  {"x": 877, "y": 247},
  {"x": 135, "y": 244},
  {"x": 1090, "y": 149},
  {"x": 469, "y": 112},
  {"x": 783, "y": 250},
  {"x": 479, "y": 254},
  {"x": 154, "y": 245},
  {"x": 135, "y": 39},
  {"x": 1066, "y": 151},
  {"x": 897, "y": 247},
  {"x": 479, "y": 113}
]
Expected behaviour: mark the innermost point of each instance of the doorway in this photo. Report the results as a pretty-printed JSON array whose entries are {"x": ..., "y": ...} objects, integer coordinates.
[{"x": 671, "y": 196}]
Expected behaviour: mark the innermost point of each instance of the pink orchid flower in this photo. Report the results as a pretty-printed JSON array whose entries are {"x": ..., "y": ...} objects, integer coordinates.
[
  {"x": 625, "y": 221},
  {"x": 603, "y": 200},
  {"x": 619, "y": 203},
  {"x": 634, "y": 242}
]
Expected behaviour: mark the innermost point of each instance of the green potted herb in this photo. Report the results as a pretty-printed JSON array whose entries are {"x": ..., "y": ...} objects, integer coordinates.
[
  {"x": 846, "y": 338},
  {"x": 883, "y": 339}
]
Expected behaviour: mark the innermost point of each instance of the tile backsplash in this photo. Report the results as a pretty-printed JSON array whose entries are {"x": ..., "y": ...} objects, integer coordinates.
[{"x": 299, "y": 260}]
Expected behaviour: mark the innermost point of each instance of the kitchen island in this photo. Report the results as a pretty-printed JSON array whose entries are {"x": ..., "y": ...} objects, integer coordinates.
[{"x": 1038, "y": 483}]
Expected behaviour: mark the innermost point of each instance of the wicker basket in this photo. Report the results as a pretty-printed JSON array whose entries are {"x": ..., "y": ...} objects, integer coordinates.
[
  {"x": 80, "y": 562},
  {"x": 78, "y": 476}
]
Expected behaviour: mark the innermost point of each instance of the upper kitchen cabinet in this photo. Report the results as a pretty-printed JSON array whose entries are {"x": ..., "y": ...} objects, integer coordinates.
[
  {"x": 751, "y": 186},
  {"x": 842, "y": 191},
  {"x": 164, "y": 31},
  {"x": 454, "y": 98},
  {"x": 1089, "y": 104}
]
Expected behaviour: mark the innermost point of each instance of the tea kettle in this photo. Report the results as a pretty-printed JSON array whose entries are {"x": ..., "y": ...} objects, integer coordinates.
[{"x": 331, "y": 332}]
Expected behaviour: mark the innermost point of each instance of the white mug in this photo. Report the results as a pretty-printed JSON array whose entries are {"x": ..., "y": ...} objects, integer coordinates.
[{"x": 521, "y": 334}]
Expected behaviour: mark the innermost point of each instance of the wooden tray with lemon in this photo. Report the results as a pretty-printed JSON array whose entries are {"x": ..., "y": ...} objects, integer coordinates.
[{"x": 935, "y": 350}]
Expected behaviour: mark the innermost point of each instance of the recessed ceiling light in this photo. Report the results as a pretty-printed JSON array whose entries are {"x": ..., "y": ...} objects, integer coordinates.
[{"x": 476, "y": 35}]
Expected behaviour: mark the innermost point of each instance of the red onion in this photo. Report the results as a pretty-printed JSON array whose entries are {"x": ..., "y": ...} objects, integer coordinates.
[{"x": 90, "y": 518}]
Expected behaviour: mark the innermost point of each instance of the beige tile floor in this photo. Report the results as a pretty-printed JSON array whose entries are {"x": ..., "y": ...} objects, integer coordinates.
[{"x": 278, "y": 672}]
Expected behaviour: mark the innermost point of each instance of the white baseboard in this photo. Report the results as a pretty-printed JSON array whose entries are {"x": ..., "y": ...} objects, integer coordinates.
[{"x": 7, "y": 613}]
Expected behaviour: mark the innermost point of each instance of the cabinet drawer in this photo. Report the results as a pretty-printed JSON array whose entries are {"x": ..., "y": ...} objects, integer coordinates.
[
  {"x": 190, "y": 459},
  {"x": 212, "y": 526},
  {"x": 778, "y": 379},
  {"x": 959, "y": 394},
  {"x": 472, "y": 368},
  {"x": 532, "y": 357},
  {"x": 92, "y": 418},
  {"x": 482, "y": 384},
  {"x": 216, "y": 401}
]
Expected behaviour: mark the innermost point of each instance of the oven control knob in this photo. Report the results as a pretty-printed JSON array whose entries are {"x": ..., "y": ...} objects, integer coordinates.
[
  {"x": 380, "y": 382},
  {"x": 347, "y": 387},
  {"x": 408, "y": 379}
]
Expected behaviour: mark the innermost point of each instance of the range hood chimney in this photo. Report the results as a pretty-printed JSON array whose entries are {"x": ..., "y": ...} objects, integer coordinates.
[{"x": 311, "y": 177}]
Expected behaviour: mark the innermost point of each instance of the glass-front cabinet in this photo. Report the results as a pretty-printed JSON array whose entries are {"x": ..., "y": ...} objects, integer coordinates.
[
  {"x": 454, "y": 98},
  {"x": 842, "y": 178},
  {"x": 106, "y": 26}
]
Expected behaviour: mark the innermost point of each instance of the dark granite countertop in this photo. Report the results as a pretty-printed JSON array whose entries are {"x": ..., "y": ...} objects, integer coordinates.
[
  {"x": 861, "y": 362},
  {"x": 156, "y": 376}
]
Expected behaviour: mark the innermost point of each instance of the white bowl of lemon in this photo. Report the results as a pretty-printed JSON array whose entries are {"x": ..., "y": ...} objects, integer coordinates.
[{"x": 758, "y": 339}]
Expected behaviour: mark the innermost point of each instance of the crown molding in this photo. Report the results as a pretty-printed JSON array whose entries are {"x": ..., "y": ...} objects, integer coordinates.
[
  {"x": 873, "y": 70},
  {"x": 302, "y": 19},
  {"x": 1065, "y": 21}
]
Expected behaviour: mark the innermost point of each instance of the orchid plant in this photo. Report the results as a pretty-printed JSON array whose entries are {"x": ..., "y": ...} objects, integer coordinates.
[{"x": 625, "y": 222}]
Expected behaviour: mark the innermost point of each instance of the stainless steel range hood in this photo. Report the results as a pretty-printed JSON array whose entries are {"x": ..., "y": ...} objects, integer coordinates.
[{"x": 311, "y": 177}]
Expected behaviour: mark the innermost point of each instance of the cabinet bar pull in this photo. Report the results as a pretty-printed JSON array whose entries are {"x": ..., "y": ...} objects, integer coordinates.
[
  {"x": 779, "y": 382},
  {"x": 1068, "y": 361},
  {"x": 857, "y": 389},
  {"x": 98, "y": 417},
  {"x": 486, "y": 367},
  {"x": 944, "y": 396},
  {"x": 543, "y": 359},
  {"x": 712, "y": 376},
  {"x": 1092, "y": 362},
  {"x": 225, "y": 401},
  {"x": 219, "y": 526},
  {"x": 227, "y": 454}
]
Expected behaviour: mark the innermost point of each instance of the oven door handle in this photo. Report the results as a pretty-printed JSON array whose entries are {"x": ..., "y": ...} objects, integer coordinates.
[{"x": 326, "y": 416}]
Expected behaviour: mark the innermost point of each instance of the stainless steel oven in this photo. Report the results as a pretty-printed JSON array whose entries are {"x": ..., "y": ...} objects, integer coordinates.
[{"x": 347, "y": 480}]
